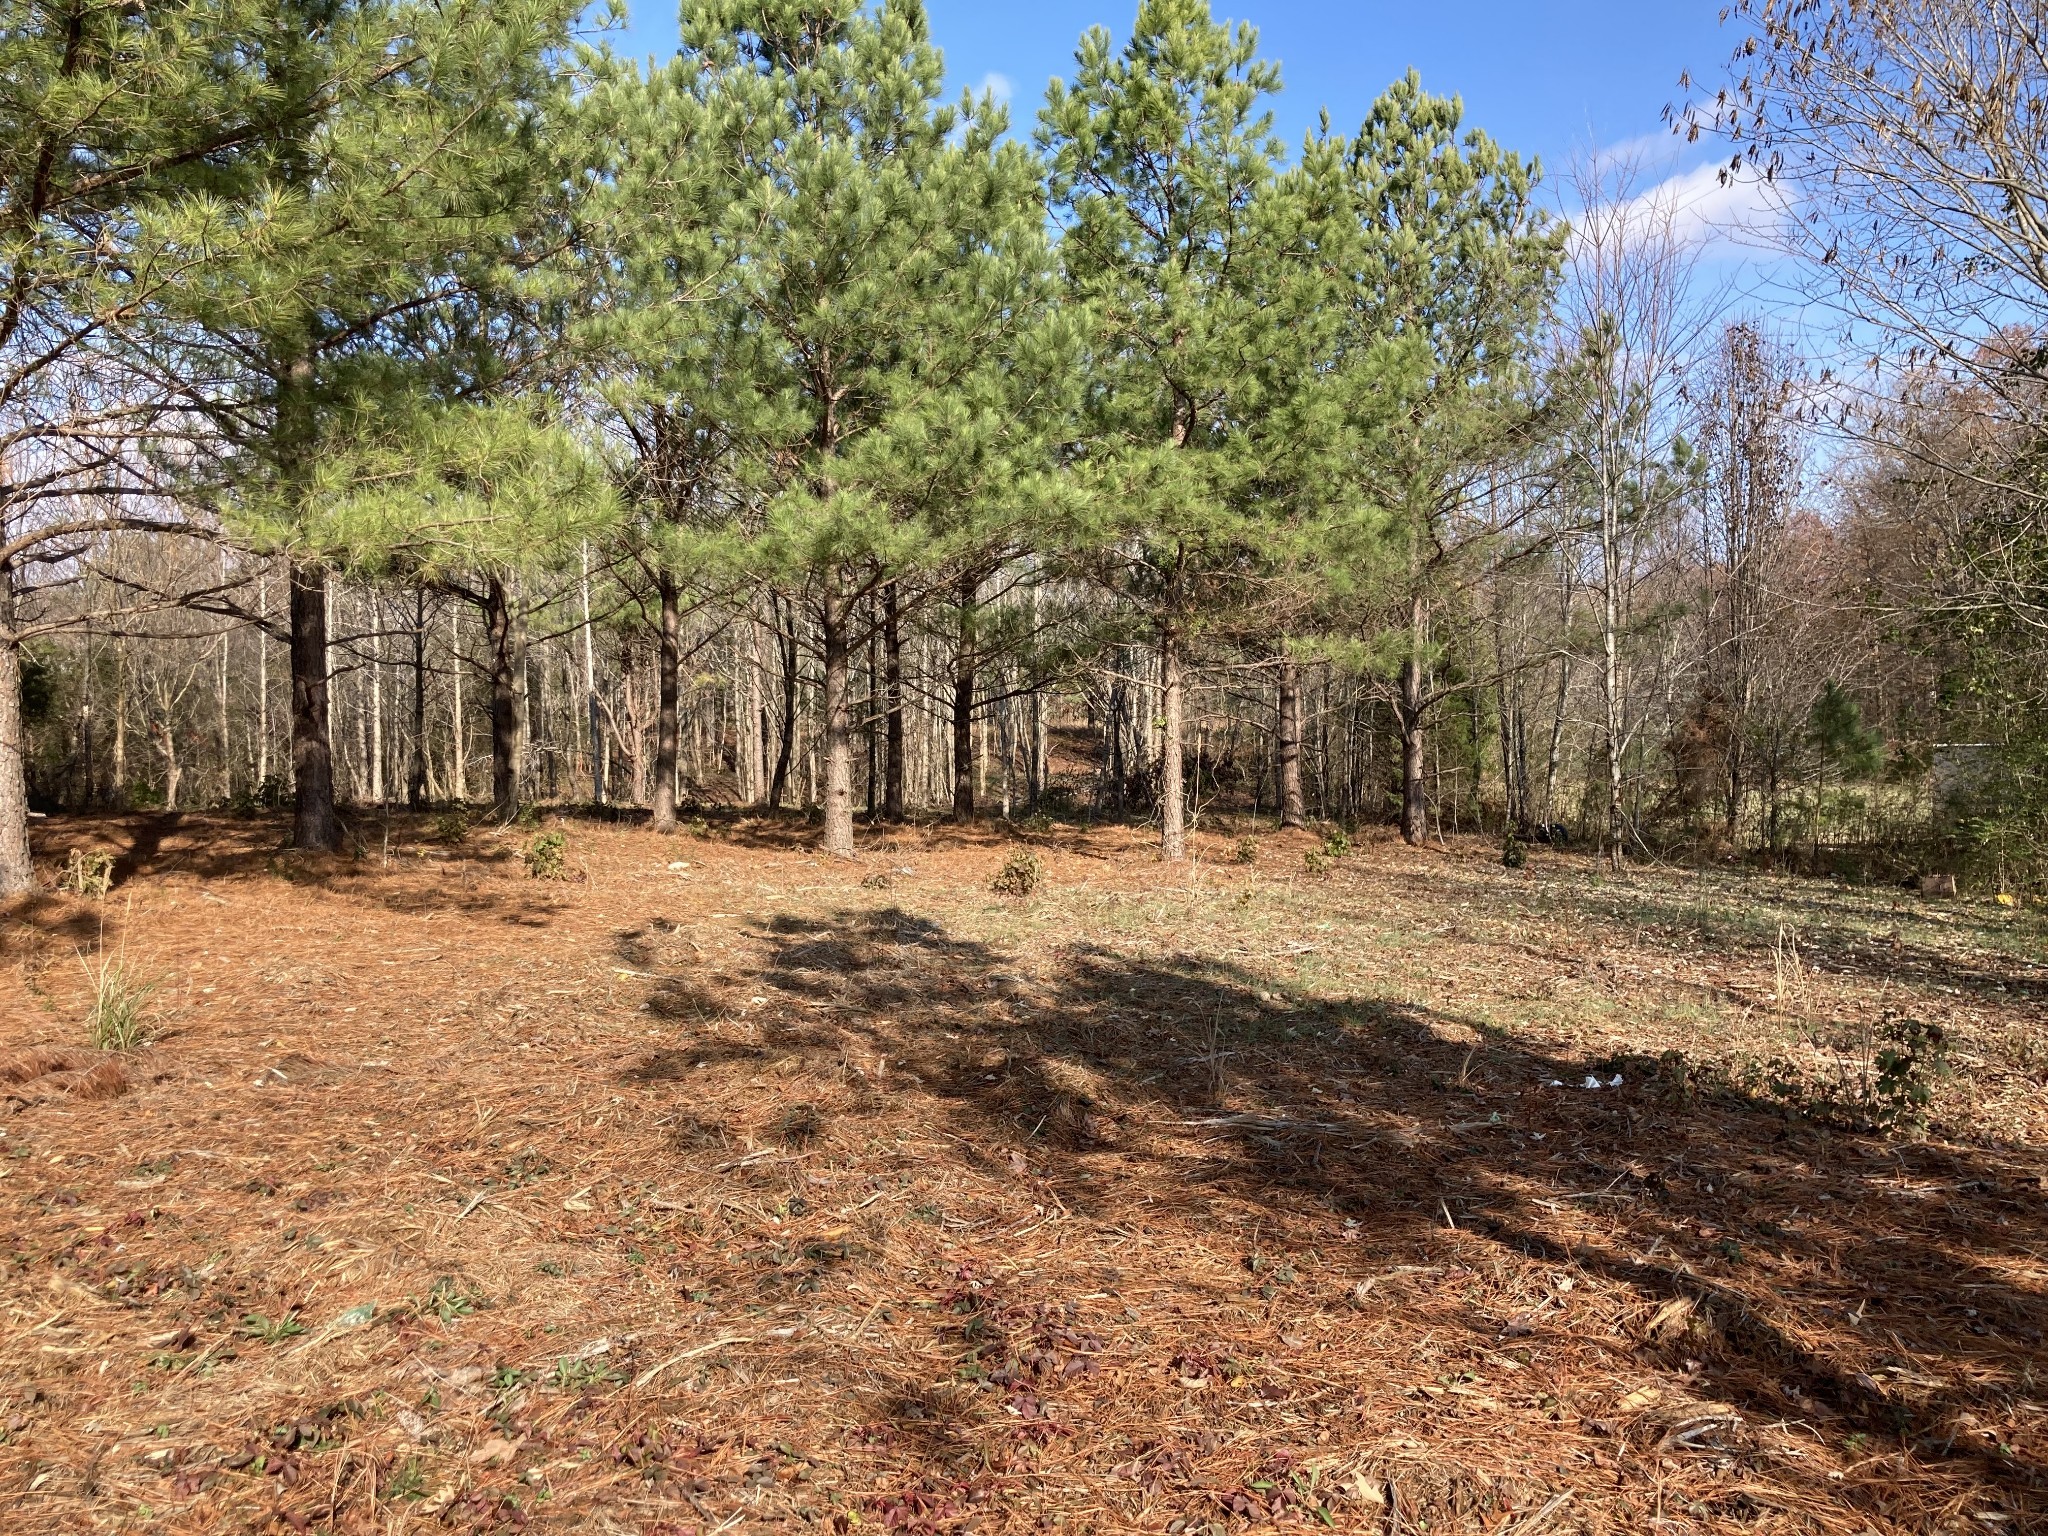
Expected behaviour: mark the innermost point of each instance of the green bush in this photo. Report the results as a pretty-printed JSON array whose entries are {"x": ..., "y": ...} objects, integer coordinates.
[
  {"x": 1337, "y": 843},
  {"x": 1247, "y": 851},
  {"x": 546, "y": 856}
]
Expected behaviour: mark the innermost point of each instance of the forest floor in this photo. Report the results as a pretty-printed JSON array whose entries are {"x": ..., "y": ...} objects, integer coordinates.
[{"x": 725, "y": 1186}]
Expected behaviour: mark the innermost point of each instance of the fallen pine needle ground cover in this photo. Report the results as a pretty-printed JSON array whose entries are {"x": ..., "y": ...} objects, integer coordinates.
[{"x": 719, "y": 1186}]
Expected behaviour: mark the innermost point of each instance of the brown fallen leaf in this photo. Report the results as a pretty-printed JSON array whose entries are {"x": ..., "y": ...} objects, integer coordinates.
[
  {"x": 495, "y": 1452},
  {"x": 1638, "y": 1400},
  {"x": 1669, "y": 1316}
]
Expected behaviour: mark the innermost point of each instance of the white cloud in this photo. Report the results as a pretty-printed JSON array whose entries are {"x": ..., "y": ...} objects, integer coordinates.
[
  {"x": 1712, "y": 205},
  {"x": 1718, "y": 211},
  {"x": 996, "y": 85}
]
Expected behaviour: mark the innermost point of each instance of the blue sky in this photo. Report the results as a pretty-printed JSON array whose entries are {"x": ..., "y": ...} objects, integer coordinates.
[{"x": 1545, "y": 77}]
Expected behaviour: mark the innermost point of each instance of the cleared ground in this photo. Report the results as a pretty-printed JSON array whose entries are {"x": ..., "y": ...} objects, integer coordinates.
[{"x": 724, "y": 1186}]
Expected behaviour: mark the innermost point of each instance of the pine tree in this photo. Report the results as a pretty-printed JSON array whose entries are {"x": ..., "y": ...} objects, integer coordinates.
[
  {"x": 368, "y": 233},
  {"x": 663, "y": 345},
  {"x": 886, "y": 303},
  {"x": 483, "y": 502},
  {"x": 1466, "y": 266},
  {"x": 1159, "y": 156},
  {"x": 115, "y": 124}
]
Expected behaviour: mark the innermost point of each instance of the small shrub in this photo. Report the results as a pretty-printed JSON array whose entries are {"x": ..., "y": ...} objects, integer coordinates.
[
  {"x": 699, "y": 827},
  {"x": 1038, "y": 823},
  {"x": 1020, "y": 875},
  {"x": 526, "y": 816},
  {"x": 1247, "y": 850},
  {"x": 453, "y": 826},
  {"x": 117, "y": 1019},
  {"x": 1887, "y": 1086},
  {"x": 1911, "y": 1059},
  {"x": 1337, "y": 843},
  {"x": 546, "y": 856},
  {"x": 1513, "y": 855},
  {"x": 1318, "y": 862},
  {"x": 90, "y": 875}
]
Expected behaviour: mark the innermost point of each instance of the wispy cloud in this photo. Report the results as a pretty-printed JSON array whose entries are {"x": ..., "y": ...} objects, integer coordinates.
[
  {"x": 996, "y": 85},
  {"x": 1715, "y": 206},
  {"x": 1722, "y": 211}
]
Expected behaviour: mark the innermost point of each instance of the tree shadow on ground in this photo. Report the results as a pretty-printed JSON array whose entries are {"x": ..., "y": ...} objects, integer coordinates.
[
  {"x": 223, "y": 849},
  {"x": 1878, "y": 1290}
]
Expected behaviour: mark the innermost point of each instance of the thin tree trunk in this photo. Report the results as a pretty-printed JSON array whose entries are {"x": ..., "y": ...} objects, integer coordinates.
[
  {"x": 836, "y": 617},
  {"x": 786, "y": 638},
  {"x": 17, "y": 871},
  {"x": 376, "y": 742},
  {"x": 963, "y": 703},
  {"x": 314, "y": 825},
  {"x": 1293, "y": 804},
  {"x": 1408, "y": 716},
  {"x": 1173, "y": 833},
  {"x": 416, "y": 775},
  {"x": 669, "y": 662},
  {"x": 507, "y": 637},
  {"x": 892, "y": 683},
  {"x": 590, "y": 708},
  {"x": 262, "y": 684},
  {"x": 117, "y": 792},
  {"x": 1610, "y": 676},
  {"x": 227, "y": 766},
  {"x": 458, "y": 756}
]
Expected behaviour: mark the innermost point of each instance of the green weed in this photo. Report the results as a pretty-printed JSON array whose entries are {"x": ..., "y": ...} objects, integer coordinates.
[
  {"x": 266, "y": 1330},
  {"x": 546, "y": 856},
  {"x": 117, "y": 1018}
]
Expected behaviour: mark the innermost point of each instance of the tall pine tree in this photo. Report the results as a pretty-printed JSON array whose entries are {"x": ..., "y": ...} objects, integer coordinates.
[
  {"x": 1159, "y": 158},
  {"x": 889, "y": 280},
  {"x": 368, "y": 231}
]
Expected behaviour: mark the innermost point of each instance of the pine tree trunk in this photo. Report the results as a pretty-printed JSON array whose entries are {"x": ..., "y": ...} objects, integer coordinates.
[
  {"x": 963, "y": 703},
  {"x": 314, "y": 826},
  {"x": 892, "y": 684},
  {"x": 963, "y": 738},
  {"x": 458, "y": 724},
  {"x": 1293, "y": 804},
  {"x": 779, "y": 784},
  {"x": 835, "y": 615},
  {"x": 1414, "y": 802},
  {"x": 17, "y": 871},
  {"x": 1173, "y": 835},
  {"x": 376, "y": 742},
  {"x": 669, "y": 659},
  {"x": 262, "y": 687},
  {"x": 416, "y": 775},
  {"x": 507, "y": 637}
]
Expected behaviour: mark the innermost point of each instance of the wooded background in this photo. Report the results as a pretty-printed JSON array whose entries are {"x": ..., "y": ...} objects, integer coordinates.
[{"x": 409, "y": 405}]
